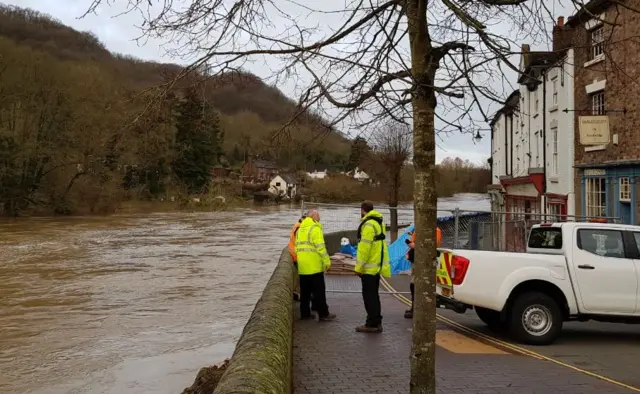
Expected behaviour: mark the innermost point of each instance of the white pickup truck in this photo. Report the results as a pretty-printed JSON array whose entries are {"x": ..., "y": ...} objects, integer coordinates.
[{"x": 570, "y": 272}]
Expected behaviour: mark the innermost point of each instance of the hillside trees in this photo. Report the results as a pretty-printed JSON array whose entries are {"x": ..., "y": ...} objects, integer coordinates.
[{"x": 77, "y": 133}]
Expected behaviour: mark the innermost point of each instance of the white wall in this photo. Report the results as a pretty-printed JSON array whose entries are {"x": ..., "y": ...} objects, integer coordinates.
[
  {"x": 530, "y": 139},
  {"x": 497, "y": 150},
  {"x": 282, "y": 188},
  {"x": 317, "y": 174},
  {"x": 560, "y": 180}
]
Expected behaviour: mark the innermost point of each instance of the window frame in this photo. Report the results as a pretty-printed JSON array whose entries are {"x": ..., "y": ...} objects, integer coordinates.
[
  {"x": 554, "y": 97},
  {"x": 557, "y": 230},
  {"x": 624, "y": 195},
  {"x": 625, "y": 251},
  {"x": 601, "y": 197},
  {"x": 598, "y": 103},
  {"x": 596, "y": 42}
]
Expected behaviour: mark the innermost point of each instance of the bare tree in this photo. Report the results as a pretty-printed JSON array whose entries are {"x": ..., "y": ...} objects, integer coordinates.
[
  {"x": 363, "y": 62},
  {"x": 391, "y": 150}
]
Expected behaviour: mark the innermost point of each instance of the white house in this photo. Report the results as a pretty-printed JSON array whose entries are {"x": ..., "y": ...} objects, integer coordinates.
[
  {"x": 284, "y": 185},
  {"x": 359, "y": 175},
  {"x": 317, "y": 174},
  {"x": 532, "y": 138}
]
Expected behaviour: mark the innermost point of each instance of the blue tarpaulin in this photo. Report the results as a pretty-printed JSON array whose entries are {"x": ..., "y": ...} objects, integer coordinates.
[{"x": 397, "y": 252}]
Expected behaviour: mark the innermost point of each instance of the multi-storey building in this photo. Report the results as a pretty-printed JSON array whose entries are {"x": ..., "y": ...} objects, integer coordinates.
[
  {"x": 607, "y": 159},
  {"x": 532, "y": 138}
]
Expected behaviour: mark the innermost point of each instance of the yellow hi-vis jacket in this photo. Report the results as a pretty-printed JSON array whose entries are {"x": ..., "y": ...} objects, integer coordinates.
[
  {"x": 310, "y": 248},
  {"x": 373, "y": 254}
]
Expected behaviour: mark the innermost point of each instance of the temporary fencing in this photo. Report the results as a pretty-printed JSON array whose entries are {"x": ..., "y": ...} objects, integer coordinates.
[{"x": 461, "y": 229}]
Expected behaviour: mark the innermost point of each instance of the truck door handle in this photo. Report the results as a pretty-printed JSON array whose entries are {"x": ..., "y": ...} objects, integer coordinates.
[{"x": 586, "y": 267}]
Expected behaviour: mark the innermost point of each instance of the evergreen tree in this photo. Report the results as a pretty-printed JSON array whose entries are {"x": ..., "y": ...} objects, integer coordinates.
[
  {"x": 198, "y": 138},
  {"x": 359, "y": 150}
]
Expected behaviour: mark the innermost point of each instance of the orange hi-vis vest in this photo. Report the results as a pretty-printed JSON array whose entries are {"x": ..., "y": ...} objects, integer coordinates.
[
  {"x": 292, "y": 240},
  {"x": 438, "y": 238}
]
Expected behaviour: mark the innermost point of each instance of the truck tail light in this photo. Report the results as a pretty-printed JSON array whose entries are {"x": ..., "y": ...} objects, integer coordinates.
[{"x": 459, "y": 267}]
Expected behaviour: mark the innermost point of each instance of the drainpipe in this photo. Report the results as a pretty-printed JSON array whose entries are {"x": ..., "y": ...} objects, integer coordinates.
[
  {"x": 544, "y": 138},
  {"x": 506, "y": 147},
  {"x": 511, "y": 160}
]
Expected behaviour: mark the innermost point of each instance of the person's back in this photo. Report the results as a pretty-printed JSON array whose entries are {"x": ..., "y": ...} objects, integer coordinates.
[
  {"x": 372, "y": 262},
  {"x": 313, "y": 262}
]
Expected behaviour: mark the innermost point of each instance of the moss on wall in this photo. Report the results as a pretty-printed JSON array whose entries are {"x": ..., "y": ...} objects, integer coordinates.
[{"x": 262, "y": 360}]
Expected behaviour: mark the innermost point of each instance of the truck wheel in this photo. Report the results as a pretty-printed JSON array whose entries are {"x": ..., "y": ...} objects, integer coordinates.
[
  {"x": 490, "y": 317},
  {"x": 535, "y": 319}
]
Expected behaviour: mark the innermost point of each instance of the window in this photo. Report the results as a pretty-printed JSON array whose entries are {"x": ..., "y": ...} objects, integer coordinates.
[
  {"x": 554, "y": 140},
  {"x": 278, "y": 184},
  {"x": 546, "y": 238},
  {"x": 625, "y": 189},
  {"x": 597, "y": 42},
  {"x": 606, "y": 243},
  {"x": 554, "y": 100},
  {"x": 597, "y": 103},
  {"x": 536, "y": 100},
  {"x": 596, "y": 196},
  {"x": 555, "y": 212}
]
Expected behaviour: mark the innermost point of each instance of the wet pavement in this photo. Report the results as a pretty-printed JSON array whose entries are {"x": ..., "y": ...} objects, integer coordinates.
[
  {"x": 330, "y": 357},
  {"x": 609, "y": 350}
]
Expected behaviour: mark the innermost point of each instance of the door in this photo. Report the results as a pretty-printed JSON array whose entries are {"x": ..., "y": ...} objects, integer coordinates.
[
  {"x": 624, "y": 211},
  {"x": 606, "y": 279}
]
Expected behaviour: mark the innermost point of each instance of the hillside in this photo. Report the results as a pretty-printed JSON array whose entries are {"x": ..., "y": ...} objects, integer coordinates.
[
  {"x": 250, "y": 109},
  {"x": 77, "y": 132}
]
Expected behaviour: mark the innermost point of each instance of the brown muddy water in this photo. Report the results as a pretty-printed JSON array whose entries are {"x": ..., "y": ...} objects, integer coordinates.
[{"x": 136, "y": 303}]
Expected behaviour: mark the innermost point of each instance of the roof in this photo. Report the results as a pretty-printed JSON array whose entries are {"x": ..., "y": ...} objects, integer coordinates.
[
  {"x": 585, "y": 13},
  {"x": 510, "y": 104},
  {"x": 290, "y": 179},
  {"x": 265, "y": 164},
  {"x": 534, "y": 62}
]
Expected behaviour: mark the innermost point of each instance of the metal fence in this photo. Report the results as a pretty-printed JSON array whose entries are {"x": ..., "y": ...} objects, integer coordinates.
[{"x": 461, "y": 229}]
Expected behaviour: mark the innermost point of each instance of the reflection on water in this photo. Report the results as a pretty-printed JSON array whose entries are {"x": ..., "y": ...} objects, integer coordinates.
[{"x": 132, "y": 304}]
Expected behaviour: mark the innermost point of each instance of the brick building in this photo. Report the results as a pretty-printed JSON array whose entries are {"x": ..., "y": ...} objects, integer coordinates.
[
  {"x": 606, "y": 83},
  {"x": 256, "y": 170}
]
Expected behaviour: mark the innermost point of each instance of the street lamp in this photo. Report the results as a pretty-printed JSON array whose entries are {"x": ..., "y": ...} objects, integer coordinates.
[{"x": 478, "y": 136}]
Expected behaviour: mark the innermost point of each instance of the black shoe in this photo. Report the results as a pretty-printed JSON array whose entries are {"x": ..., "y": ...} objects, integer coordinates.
[
  {"x": 310, "y": 317},
  {"x": 329, "y": 317},
  {"x": 408, "y": 314},
  {"x": 369, "y": 330}
]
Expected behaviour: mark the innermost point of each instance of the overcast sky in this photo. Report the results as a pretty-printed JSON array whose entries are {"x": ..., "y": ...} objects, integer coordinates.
[{"x": 119, "y": 33}]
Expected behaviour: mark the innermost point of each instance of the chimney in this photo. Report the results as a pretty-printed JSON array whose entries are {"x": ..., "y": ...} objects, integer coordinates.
[{"x": 561, "y": 35}]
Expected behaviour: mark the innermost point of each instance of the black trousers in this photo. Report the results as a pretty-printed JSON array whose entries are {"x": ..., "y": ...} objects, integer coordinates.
[
  {"x": 313, "y": 287},
  {"x": 412, "y": 288},
  {"x": 371, "y": 297}
]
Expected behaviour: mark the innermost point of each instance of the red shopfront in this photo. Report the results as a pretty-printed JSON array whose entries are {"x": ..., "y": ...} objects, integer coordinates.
[{"x": 523, "y": 209}]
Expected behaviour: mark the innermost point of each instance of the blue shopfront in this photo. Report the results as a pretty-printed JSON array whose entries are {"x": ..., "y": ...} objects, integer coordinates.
[{"x": 609, "y": 191}]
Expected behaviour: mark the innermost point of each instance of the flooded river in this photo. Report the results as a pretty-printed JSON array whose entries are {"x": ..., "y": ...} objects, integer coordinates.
[{"x": 136, "y": 303}]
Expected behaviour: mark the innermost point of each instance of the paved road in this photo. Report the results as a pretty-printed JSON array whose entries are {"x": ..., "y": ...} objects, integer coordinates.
[
  {"x": 607, "y": 349},
  {"x": 330, "y": 357}
]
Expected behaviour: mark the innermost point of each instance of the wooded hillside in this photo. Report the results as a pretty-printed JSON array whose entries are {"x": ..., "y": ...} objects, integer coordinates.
[{"x": 71, "y": 138}]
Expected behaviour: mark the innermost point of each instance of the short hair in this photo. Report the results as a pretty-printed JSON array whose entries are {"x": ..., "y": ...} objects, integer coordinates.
[{"x": 367, "y": 206}]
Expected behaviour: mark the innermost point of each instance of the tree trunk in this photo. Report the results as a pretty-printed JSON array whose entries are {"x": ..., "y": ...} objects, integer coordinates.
[
  {"x": 393, "y": 216},
  {"x": 425, "y": 200}
]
